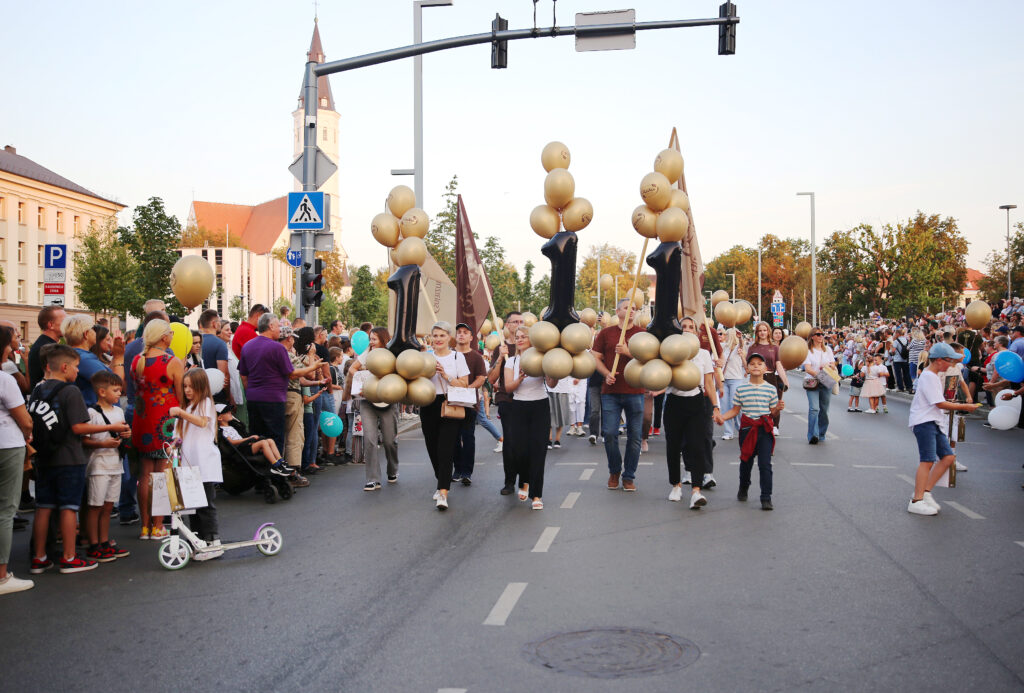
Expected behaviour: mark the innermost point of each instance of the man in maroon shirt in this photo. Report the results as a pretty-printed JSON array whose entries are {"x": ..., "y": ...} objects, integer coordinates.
[
  {"x": 618, "y": 397},
  {"x": 247, "y": 328}
]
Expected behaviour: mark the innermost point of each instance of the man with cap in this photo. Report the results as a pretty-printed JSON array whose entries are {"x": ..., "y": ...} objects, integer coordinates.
[{"x": 465, "y": 445}]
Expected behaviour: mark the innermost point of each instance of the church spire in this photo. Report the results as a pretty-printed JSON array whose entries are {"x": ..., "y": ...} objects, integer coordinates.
[{"x": 316, "y": 54}]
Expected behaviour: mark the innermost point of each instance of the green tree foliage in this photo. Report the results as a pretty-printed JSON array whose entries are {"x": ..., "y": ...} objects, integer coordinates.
[
  {"x": 105, "y": 272},
  {"x": 330, "y": 309},
  {"x": 369, "y": 302},
  {"x": 614, "y": 261},
  {"x": 237, "y": 309},
  {"x": 503, "y": 276},
  {"x": 441, "y": 239},
  {"x": 785, "y": 267},
  {"x": 993, "y": 286},
  {"x": 524, "y": 293},
  {"x": 151, "y": 241},
  {"x": 281, "y": 302},
  {"x": 539, "y": 297}
]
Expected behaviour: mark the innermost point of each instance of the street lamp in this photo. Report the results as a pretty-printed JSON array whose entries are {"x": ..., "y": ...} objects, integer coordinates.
[
  {"x": 814, "y": 266},
  {"x": 1009, "y": 288},
  {"x": 730, "y": 274}
]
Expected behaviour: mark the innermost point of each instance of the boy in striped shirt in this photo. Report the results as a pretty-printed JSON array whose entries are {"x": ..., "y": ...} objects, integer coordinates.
[{"x": 757, "y": 400}]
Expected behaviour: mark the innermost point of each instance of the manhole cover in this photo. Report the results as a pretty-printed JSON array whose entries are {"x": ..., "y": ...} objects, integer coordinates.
[{"x": 612, "y": 653}]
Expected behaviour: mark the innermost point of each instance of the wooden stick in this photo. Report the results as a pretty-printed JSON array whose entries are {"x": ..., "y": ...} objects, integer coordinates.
[
  {"x": 629, "y": 309},
  {"x": 711, "y": 344}
]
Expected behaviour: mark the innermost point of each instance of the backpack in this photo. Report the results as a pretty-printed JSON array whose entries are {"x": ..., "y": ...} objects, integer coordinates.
[
  {"x": 49, "y": 424},
  {"x": 902, "y": 349},
  {"x": 122, "y": 448}
]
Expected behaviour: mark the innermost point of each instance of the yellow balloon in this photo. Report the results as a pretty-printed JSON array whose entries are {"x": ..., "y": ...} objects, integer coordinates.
[
  {"x": 669, "y": 163},
  {"x": 421, "y": 392},
  {"x": 529, "y": 319},
  {"x": 978, "y": 314},
  {"x": 588, "y": 316},
  {"x": 631, "y": 373},
  {"x": 409, "y": 364},
  {"x": 802, "y": 329},
  {"x": 606, "y": 282},
  {"x": 380, "y": 362},
  {"x": 577, "y": 214},
  {"x": 429, "y": 365},
  {"x": 638, "y": 298},
  {"x": 692, "y": 343},
  {"x": 415, "y": 223},
  {"x": 559, "y": 188},
  {"x": 544, "y": 336},
  {"x": 487, "y": 327},
  {"x": 744, "y": 311},
  {"x": 645, "y": 221},
  {"x": 644, "y": 346},
  {"x": 191, "y": 281},
  {"x": 392, "y": 388},
  {"x": 498, "y": 323},
  {"x": 555, "y": 155},
  {"x": 557, "y": 363},
  {"x": 411, "y": 251},
  {"x": 725, "y": 313},
  {"x": 181, "y": 339},
  {"x": 674, "y": 350},
  {"x": 583, "y": 365},
  {"x": 656, "y": 375},
  {"x": 576, "y": 338},
  {"x": 401, "y": 199},
  {"x": 718, "y": 297},
  {"x": 532, "y": 362},
  {"x": 384, "y": 228},
  {"x": 370, "y": 389},
  {"x": 672, "y": 225},
  {"x": 680, "y": 199},
  {"x": 492, "y": 342},
  {"x": 544, "y": 221},
  {"x": 656, "y": 191},
  {"x": 793, "y": 351},
  {"x": 686, "y": 376}
]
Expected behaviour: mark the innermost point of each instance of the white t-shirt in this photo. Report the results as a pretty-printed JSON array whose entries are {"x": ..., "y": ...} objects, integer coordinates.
[
  {"x": 817, "y": 358},
  {"x": 454, "y": 364},
  {"x": 199, "y": 445},
  {"x": 10, "y": 398},
  {"x": 926, "y": 398},
  {"x": 705, "y": 365},
  {"x": 734, "y": 368},
  {"x": 231, "y": 433},
  {"x": 563, "y": 386},
  {"x": 531, "y": 389},
  {"x": 104, "y": 460}
]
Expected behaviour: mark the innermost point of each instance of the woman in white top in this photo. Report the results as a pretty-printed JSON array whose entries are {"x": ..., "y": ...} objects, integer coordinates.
[
  {"x": 15, "y": 430},
  {"x": 734, "y": 351},
  {"x": 528, "y": 423},
  {"x": 818, "y": 356},
  {"x": 440, "y": 434}
]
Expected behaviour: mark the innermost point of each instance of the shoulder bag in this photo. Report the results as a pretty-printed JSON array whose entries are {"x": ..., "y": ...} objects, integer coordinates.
[{"x": 456, "y": 399}]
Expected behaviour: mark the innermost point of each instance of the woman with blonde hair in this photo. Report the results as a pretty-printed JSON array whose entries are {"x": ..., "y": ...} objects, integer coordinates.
[
  {"x": 734, "y": 353},
  {"x": 819, "y": 356},
  {"x": 439, "y": 432},
  {"x": 158, "y": 388}
]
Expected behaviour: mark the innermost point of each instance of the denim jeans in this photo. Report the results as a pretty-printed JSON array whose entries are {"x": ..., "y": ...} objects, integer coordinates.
[
  {"x": 612, "y": 408},
  {"x": 126, "y": 503},
  {"x": 817, "y": 412},
  {"x": 732, "y": 426},
  {"x": 309, "y": 426},
  {"x": 483, "y": 420},
  {"x": 594, "y": 409},
  {"x": 901, "y": 369}
]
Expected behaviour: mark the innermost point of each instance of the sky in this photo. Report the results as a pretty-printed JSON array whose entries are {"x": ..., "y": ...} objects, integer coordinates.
[{"x": 880, "y": 108}]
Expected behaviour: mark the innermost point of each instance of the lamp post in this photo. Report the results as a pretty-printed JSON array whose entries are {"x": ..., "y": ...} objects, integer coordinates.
[
  {"x": 814, "y": 266},
  {"x": 759, "y": 280},
  {"x": 1009, "y": 286},
  {"x": 730, "y": 274}
]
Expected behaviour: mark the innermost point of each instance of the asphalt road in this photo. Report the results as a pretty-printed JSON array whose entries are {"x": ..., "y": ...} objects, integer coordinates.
[{"x": 838, "y": 588}]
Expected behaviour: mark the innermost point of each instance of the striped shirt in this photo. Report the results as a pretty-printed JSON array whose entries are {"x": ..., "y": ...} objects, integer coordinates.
[{"x": 756, "y": 400}]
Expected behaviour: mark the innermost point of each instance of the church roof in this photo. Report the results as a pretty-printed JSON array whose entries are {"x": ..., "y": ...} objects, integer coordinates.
[
  {"x": 259, "y": 226},
  {"x": 12, "y": 162},
  {"x": 316, "y": 54}
]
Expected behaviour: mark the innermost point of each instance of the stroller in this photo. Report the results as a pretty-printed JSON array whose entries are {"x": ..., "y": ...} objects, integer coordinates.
[{"x": 243, "y": 472}]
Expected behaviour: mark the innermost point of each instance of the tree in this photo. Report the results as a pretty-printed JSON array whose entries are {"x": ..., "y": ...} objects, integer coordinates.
[
  {"x": 539, "y": 297},
  {"x": 441, "y": 239},
  {"x": 503, "y": 276},
  {"x": 151, "y": 241},
  {"x": 200, "y": 237},
  {"x": 614, "y": 261},
  {"x": 236, "y": 309},
  {"x": 281, "y": 302},
  {"x": 105, "y": 271},
  {"x": 524, "y": 292},
  {"x": 330, "y": 309},
  {"x": 993, "y": 287},
  {"x": 368, "y": 303}
]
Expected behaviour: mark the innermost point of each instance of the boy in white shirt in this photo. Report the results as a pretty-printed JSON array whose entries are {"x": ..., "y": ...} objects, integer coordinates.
[{"x": 104, "y": 469}]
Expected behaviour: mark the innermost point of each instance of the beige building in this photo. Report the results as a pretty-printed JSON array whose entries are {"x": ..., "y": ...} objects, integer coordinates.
[{"x": 40, "y": 207}]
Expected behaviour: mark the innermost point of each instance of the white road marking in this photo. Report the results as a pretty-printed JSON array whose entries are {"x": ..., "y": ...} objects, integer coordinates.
[
  {"x": 831, "y": 436},
  {"x": 1019, "y": 543},
  {"x": 802, "y": 418},
  {"x": 812, "y": 464},
  {"x": 735, "y": 464},
  {"x": 905, "y": 478},
  {"x": 571, "y": 499},
  {"x": 646, "y": 464},
  {"x": 574, "y": 464},
  {"x": 874, "y": 466},
  {"x": 506, "y": 602},
  {"x": 451, "y": 690},
  {"x": 966, "y": 511},
  {"x": 546, "y": 537},
  {"x": 586, "y": 474}
]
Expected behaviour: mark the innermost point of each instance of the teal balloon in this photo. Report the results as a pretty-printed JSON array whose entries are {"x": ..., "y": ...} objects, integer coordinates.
[
  {"x": 331, "y": 424},
  {"x": 1009, "y": 366},
  {"x": 847, "y": 370},
  {"x": 360, "y": 340},
  {"x": 967, "y": 356}
]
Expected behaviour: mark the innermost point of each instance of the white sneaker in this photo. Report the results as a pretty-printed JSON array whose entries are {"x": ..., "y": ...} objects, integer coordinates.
[
  {"x": 871, "y": 411},
  {"x": 676, "y": 494},
  {"x": 727, "y": 436},
  {"x": 697, "y": 501},
  {"x": 437, "y": 494},
  {"x": 921, "y": 507},
  {"x": 442, "y": 502},
  {"x": 500, "y": 446},
  {"x": 927, "y": 498},
  {"x": 709, "y": 481},
  {"x": 775, "y": 431},
  {"x": 960, "y": 467},
  {"x": 686, "y": 478},
  {"x": 12, "y": 584},
  {"x": 593, "y": 440}
]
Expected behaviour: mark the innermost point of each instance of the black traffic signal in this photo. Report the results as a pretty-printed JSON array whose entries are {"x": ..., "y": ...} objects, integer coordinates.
[
  {"x": 727, "y": 32},
  {"x": 499, "y": 49},
  {"x": 312, "y": 283}
]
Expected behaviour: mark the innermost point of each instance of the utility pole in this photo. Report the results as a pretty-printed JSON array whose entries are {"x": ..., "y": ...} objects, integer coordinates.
[
  {"x": 1009, "y": 261},
  {"x": 759, "y": 280},
  {"x": 814, "y": 268}
]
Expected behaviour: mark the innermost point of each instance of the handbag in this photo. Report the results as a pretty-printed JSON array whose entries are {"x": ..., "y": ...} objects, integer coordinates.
[
  {"x": 452, "y": 411},
  {"x": 810, "y": 382},
  {"x": 190, "y": 487},
  {"x": 164, "y": 496},
  {"x": 456, "y": 399},
  {"x": 829, "y": 378}
]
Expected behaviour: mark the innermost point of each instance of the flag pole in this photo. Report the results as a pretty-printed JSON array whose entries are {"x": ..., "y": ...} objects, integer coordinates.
[{"x": 630, "y": 313}]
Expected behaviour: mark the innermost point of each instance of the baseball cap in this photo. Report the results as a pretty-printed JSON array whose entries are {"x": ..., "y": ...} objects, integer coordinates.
[
  {"x": 1003, "y": 329},
  {"x": 755, "y": 355},
  {"x": 224, "y": 407},
  {"x": 943, "y": 351},
  {"x": 286, "y": 332},
  {"x": 462, "y": 324}
]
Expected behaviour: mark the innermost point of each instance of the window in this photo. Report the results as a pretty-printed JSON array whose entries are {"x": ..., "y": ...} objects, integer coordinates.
[
  {"x": 21, "y": 291},
  {"x": 39, "y": 294},
  {"x": 41, "y": 217},
  {"x": 3, "y": 248},
  {"x": 24, "y": 330},
  {"x": 77, "y": 225},
  {"x": 60, "y": 222},
  {"x": 21, "y": 252},
  {"x": 21, "y": 212},
  {"x": 3, "y": 207},
  {"x": 39, "y": 254}
]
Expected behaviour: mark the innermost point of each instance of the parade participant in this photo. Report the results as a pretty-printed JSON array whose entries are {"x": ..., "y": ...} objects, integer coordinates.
[
  {"x": 578, "y": 404},
  {"x": 818, "y": 396},
  {"x": 15, "y": 432},
  {"x": 496, "y": 376},
  {"x": 594, "y": 384},
  {"x": 104, "y": 469},
  {"x": 685, "y": 413},
  {"x": 755, "y": 401},
  {"x": 875, "y": 374},
  {"x": 734, "y": 374},
  {"x": 617, "y": 397},
  {"x": 49, "y": 320},
  {"x": 766, "y": 345},
  {"x": 248, "y": 329},
  {"x": 374, "y": 416},
  {"x": 561, "y": 412},
  {"x": 465, "y": 446},
  {"x": 927, "y": 418},
  {"x": 439, "y": 432}
]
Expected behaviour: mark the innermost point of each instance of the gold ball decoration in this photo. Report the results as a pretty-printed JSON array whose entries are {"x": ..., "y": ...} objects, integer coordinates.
[
  {"x": 555, "y": 155},
  {"x": 544, "y": 221},
  {"x": 793, "y": 351},
  {"x": 686, "y": 376},
  {"x": 380, "y": 362},
  {"x": 557, "y": 363},
  {"x": 583, "y": 365},
  {"x": 669, "y": 163},
  {"x": 384, "y": 228},
  {"x": 644, "y": 346},
  {"x": 191, "y": 280},
  {"x": 644, "y": 318},
  {"x": 401, "y": 199},
  {"x": 411, "y": 251},
  {"x": 638, "y": 299},
  {"x": 606, "y": 282},
  {"x": 559, "y": 188},
  {"x": 498, "y": 323},
  {"x": 680, "y": 200},
  {"x": 409, "y": 364},
  {"x": 656, "y": 375},
  {"x": 744, "y": 311},
  {"x": 544, "y": 336},
  {"x": 725, "y": 313},
  {"x": 370, "y": 389},
  {"x": 421, "y": 392},
  {"x": 802, "y": 329},
  {"x": 492, "y": 342},
  {"x": 588, "y": 316},
  {"x": 429, "y": 365},
  {"x": 674, "y": 350},
  {"x": 529, "y": 319},
  {"x": 415, "y": 223},
  {"x": 692, "y": 343},
  {"x": 532, "y": 362},
  {"x": 656, "y": 191},
  {"x": 487, "y": 327},
  {"x": 978, "y": 314},
  {"x": 718, "y": 297},
  {"x": 392, "y": 388},
  {"x": 613, "y": 320},
  {"x": 576, "y": 338},
  {"x": 631, "y": 373},
  {"x": 577, "y": 214},
  {"x": 672, "y": 225},
  {"x": 645, "y": 221}
]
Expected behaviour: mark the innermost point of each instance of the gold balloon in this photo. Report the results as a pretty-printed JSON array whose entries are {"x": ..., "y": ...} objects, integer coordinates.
[
  {"x": 645, "y": 221},
  {"x": 384, "y": 228},
  {"x": 415, "y": 223},
  {"x": 588, "y": 316},
  {"x": 692, "y": 343},
  {"x": 429, "y": 365},
  {"x": 380, "y": 362},
  {"x": 370, "y": 389},
  {"x": 498, "y": 323},
  {"x": 559, "y": 188},
  {"x": 576, "y": 338},
  {"x": 672, "y": 225},
  {"x": 557, "y": 363},
  {"x": 555, "y": 155},
  {"x": 674, "y": 350},
  {"x": 669, "y": 163},
  {"x": 631, "y": 373},
  {"x": 191, "y": 280},
  {"x": 680, "y": 199},
  {"x": 656, "y": 191},
  {"x": 392, "y": 388},
  {"x": 606, "y": 282},
  {"x": 401, "y": 199},
  {"x": 686, "y": 376},
  {"x": 644, "y": 346},
  {"x": 394, "y": 258},
  {"x": 613, "y": 320},
  {"x": 744, "y": 311},
  {"x": 492, "y": 342},
  {"x": 411, "y": 251},
  {"x": 718, "y": 297},
  {"x": 577, "y": 214},
  {"x": 409, "y": 364},
  {"x": 656, "y": 375},
  {"x": 978, "y": 314},
  {"x": 544, "y": 221},
  {"x": 802, "y": 329},
  {"x": 529, "y": 319},
  {"x": 638, "y": 298},
  {"x": 487, "y": 327},
  {"x": 421, "y": 392},
  {"x": 793, "y": 351},
  {"x": 583, "y": 365},
  {"x": 544, "y": 335},
  {"x": 532, "y": 362},
  {"x": 725, "y": 313},
  {"x": 644, "y": 318}
]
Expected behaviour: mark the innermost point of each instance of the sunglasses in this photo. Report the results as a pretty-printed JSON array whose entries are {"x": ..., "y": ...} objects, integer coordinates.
[{"x": 818, "y": 334}]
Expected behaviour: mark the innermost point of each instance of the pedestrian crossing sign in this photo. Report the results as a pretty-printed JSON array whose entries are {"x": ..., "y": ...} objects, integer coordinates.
[{"x": 306, "y": 211}]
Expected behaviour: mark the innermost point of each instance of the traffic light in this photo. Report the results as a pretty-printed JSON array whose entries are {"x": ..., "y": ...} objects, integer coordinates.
[
  {"x": 312, "y": 283},
  {"x": 499, "y": 49},
  {"x": 727, "y": 32}
]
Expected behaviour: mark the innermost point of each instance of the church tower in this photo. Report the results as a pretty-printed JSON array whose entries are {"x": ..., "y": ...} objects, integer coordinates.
[{"x": 327, "y": 135}]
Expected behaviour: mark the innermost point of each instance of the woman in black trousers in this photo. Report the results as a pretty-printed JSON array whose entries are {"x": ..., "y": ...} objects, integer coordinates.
[{"x": 440, "y": 434}]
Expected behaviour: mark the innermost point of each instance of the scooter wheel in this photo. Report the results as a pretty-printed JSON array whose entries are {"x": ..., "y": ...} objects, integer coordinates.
[
  {"x": 174, "y": 559},
  {"x": 270, "y": 541}
]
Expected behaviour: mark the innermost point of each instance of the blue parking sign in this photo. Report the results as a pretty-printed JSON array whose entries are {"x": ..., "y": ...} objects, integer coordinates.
[{"x": 55, "y": 256}]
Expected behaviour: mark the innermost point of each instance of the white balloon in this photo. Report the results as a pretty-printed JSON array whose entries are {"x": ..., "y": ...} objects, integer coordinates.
[
  {"x": 1012, "y": 402},
  {"x": 1003, "y": 418},
  {"x": 216, "y": 379}
]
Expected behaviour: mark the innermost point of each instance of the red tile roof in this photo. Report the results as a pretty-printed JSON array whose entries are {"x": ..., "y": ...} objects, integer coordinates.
[{"x": 973, "y": 280}]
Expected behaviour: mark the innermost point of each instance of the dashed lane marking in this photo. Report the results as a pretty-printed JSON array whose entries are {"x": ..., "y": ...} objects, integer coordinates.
[
  {"x": 451, "y": 690},
  {"x": 1019, "y": 543},
  {"x": 546, "y": 538},
  {"x": 586, "y": 474},
  {"x": 570, "y": 500},
  {"x": 812, "y": 464},
  {"x": 874, "y": 466},
  {"x": 905, "y": 478},
  {"x": 574, "y": 464},
  {"x": 506, "y": 602},
  {"x": 966, "y": 511}
]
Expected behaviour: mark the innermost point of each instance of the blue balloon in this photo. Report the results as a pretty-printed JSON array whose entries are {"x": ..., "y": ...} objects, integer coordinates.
[
  {"x": 331, "y": 424},
  {"x": 1009, "y": 366},
  {"x": 360, "y": 340},
  {"x": 967, "y": 356},
  {"x": 847, "y": 370}
]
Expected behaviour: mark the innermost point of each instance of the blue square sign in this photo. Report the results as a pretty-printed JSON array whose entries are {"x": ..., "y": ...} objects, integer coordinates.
[
  {"x": 306, "y": 211},
  {"x": 55, "y": 256}
]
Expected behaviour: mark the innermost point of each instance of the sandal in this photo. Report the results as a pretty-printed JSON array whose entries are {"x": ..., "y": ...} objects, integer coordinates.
[
  {"x": 523, "y": 494},
  {"x": 159, "y": 533},
  {"x": 538, "y": 504},
  {"x": 144, "y": 534}
]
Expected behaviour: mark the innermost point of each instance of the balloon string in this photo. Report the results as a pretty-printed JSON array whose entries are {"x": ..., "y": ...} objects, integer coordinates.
[{"x": 630, "y": 313}]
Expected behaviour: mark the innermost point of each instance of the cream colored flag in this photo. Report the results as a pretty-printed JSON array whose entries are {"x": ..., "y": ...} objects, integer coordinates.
[
  {"x": 437, "y": 298},
  {"x": 691, "y": 289}
]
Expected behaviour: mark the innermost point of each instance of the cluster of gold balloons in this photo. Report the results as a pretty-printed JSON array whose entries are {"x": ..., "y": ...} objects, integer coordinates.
[
  {"x": 490, "y": 332},
  {"x": 728, "y": 313},
  {"x": 405, "y": 378},
  {"x": 562, "y": 208},
  {"x": 656, "y": 364},
  {"x": 559, "y": 354},
  {"x": 978, "y": 314},
  {"x": 403, "y": 227},
  {"x": 191, "y": 280},
  {"x": 663, "y": 215}
]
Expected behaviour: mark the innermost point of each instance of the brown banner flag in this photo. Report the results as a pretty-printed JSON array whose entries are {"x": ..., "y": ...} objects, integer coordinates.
[
  {"x": 472, "y": 288},
  {"x": 691, "y": 289}
]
